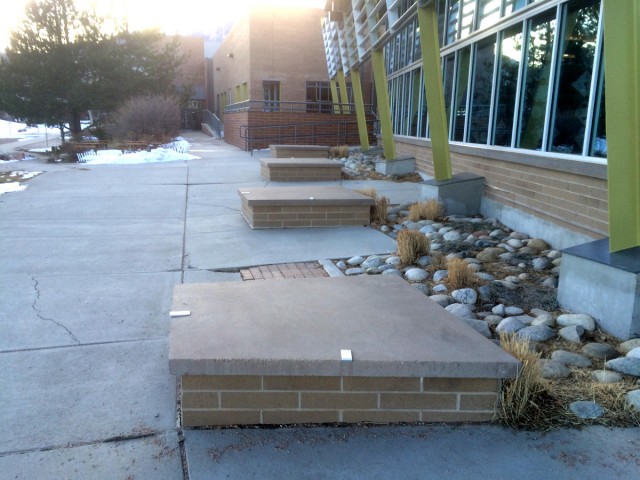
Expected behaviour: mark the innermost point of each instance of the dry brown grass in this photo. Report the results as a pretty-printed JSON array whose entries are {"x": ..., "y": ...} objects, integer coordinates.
[
  {"x": 341, "y": 151},
  {"x": 412, "y": 244},
  {"x": 380, "y": 210},
  {"x": 520, "y": 395},
  {"x": 534, "y": 403},
  {"x": 369, "y": 192},
  {"x": 460, "y": 275},
  {"x": 438, "y": 261},
  {"x": 429, "y": 210}
]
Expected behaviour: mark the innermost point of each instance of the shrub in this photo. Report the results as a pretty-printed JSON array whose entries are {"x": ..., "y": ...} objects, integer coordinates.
[
  {"x": 519, "y": 396},
  {"x": 412, "y": 244},
  {"x": 459, "y": 274},
  {"x": 154, "y": 118},
  {"x": 341, "y": 151},
  {"x": 438, "y": 261},
  {"x": 380, "y": 209},
  {"x": 429, "y": 210}
]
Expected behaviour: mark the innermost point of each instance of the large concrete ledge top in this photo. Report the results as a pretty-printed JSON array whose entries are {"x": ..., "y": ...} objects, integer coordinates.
[
  {"x": 300, "y": 162},
  {"x": 314, "y": 148},
  {"x": 300, "y": 326},
  {"x": 304, "y": 195}
]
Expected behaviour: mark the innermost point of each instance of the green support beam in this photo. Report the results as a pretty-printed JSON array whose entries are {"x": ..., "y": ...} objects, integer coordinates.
[
  {"x": 384, "y": 110},
  {"x": 622, "y": 77},
  {"x": 360, "y": 113},
  {"x": 344, "y": 97},
  {"x": 428, "y": 22},
  {"x": 334, "y": 95}
]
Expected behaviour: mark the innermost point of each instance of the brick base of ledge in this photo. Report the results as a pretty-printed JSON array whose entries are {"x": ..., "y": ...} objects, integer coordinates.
[{"x": 208, "y": 400}]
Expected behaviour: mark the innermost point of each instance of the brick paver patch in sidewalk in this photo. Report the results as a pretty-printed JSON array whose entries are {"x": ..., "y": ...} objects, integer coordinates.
[{"x": 284, "y": 270}]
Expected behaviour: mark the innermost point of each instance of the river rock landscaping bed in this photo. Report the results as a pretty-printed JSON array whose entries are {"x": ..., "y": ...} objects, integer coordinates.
[{"x": 589, "y": 377}]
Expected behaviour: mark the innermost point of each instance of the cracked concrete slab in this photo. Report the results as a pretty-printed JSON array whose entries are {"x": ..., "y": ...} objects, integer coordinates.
[
  {"x": 89, "y": 393},
  {"x": 91, "y": 254},
  {"x": 149, "y": 458},
  {"x": 246, "y": 247},
  {"x": 71, "y": 309}
]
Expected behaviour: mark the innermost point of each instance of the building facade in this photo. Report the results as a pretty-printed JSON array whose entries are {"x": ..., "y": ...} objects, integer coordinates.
[
  {"x": 524, "y": 100},
  {"x": 270, "y": 78}
]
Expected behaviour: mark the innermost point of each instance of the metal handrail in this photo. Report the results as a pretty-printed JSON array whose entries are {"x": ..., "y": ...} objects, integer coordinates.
[
  {"x": 300, "y": 133},
  {"x": 306, "y": 107},
  {"x": 213, "y": 122}
]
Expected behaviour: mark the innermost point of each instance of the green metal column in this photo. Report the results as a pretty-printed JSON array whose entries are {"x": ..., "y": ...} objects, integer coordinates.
[
  {"x": 428, "y": 22},
  {"x": 344, "y": 97},
  {"x": 334, "y": 95},
  {"x": 622, "y": 77},
  {"x": 384, "y": 110},
  {"x": 360, "y": 114}
]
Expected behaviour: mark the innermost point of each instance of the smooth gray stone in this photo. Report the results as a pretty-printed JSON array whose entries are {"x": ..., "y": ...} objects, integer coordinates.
[
  {"x": 440, "y": 275},
  {"x": 570, "y": 358},
  {"x": 554, "y": 369},
  {"x": 538, "y": 333},
  {"x": 635, "y": 353},
  {"x": 421, "y": 287},
  {"x": 513, "y": 311},
  {"x": 479, "y": 326},
  {"x": 510, "y": 325},
  {"x": 355, "y": 261},
  {"x": 461, "y": 310},
  {"x": 392, "y": 271},
  {"x": 600, "y": 351},
  {"x": 626, "y": 365},
  {"x": 582, "y": 319},
  {"x": 606, "y": 376},
  {"x": 544, "y": 319},
  {"x": 467, "y": 296},
  {"x": 416, "y": 275},
  {"x": 585, "y": 409},
  {"x": 353, "y": 271},
  {"x": 633, "y": 399},
  {"x": 442, "y": 300},
  {"x": 372, "y": 262},
  {"x": 572, "y": 333},
  {"x": 626, "y": 347}
]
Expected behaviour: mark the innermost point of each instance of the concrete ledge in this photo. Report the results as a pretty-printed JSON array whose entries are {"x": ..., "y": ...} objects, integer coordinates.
[
  {"x": 302, "y": 151},
  {"x": 295, "y": 207},
  {"x": 399, "y": 166},
  {"x": 460, "y": 195},
  {"x": 604, "y": 285},
  {"x": 300, "y": 169},
  {"x": 244, "y": 359}
]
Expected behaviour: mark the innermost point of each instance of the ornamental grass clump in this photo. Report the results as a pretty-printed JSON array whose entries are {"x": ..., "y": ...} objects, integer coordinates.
[
  {"x": 380, "y": 209},
  {"x": 429, "y": 210},
  {"x": 459, "y": 274},
  {"x": 520, "y": 399},
  {"x": 411, "y": 245},
  {"x": 341, "y": 151}
]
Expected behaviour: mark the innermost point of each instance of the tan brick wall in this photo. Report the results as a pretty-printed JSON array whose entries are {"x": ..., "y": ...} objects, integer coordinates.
[
  {"x": 231, "y": 400},
  {"x": 295, "y": 128},
  {"x": 569, "y": 200},
  {"x": 305, "y": 216},
  {"x": 294, "y": 173}
]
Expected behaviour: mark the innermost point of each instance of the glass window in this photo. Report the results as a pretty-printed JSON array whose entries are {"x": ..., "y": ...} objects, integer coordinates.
[
  {"x": 442, "y": 10},
  {"x": 461, "y": 93},
  {"x": 480, "y": 113},
  {"x": 507, "y": 85},
  {"x": 488, "y": 12},
  {"x": 574, "y": 80},
  {"x": 468, "y": 16},
  {"x": 599, "y": 137},
  {"x": 452, "y": 21},
  {"x": 447, "y": 84},
  {"x": 511, "y": 6},
  {"x": 271, "y": 92},
  {"x": 540, "y": 42}
]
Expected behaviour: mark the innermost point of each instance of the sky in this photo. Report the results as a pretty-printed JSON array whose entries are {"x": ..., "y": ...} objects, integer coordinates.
[{"x": 181, "y": 17}]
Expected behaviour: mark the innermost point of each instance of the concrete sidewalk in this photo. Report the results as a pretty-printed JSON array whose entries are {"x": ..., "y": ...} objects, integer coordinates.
[{"x": 89, "y": 256}]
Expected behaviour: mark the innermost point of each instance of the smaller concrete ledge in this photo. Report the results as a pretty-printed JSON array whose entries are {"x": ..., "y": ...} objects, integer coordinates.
[
  {"x": 398, "y": 166},
  {"x": 460, "y": 195},
  {"x": 295, "y": 207},
  {"x": 301, "y": 151},
  {"x": 300, "y": 169}
]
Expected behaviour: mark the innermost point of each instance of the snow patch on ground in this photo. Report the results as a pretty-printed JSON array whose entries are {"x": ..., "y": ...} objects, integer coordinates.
[
  {"x": 10, "y": 181},
  {"x": 177, "y": 150},
  {"x": 22, "y": 131}
]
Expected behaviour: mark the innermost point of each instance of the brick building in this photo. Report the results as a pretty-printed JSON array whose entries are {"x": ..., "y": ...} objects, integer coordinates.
[{"x": 271, "y": 85}]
